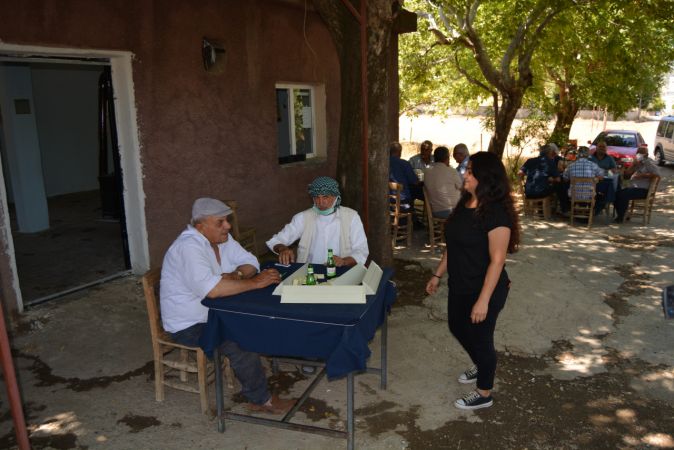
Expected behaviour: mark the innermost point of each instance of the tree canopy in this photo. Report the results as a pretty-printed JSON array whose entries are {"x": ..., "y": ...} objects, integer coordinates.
[{"x": 553, "y": 55}]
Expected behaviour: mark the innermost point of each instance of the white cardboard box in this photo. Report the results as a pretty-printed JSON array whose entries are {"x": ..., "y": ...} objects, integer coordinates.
[{"x": 350, "y": 287}]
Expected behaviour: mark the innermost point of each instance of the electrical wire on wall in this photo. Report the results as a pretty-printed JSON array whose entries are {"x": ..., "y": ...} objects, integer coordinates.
[{"x": 306, "y": 40}]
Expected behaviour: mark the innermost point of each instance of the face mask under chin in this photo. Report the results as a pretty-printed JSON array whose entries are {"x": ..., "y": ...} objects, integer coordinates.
[{"x": 328, "y": 211}]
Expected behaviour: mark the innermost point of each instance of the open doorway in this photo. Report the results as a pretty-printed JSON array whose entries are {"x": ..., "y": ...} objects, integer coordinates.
[{"x": 62, "y": 175}]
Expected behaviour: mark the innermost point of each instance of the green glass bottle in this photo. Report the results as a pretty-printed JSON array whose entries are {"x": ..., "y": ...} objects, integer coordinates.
[
  {"x": 311, "y": 279},
  {"x": 331, "y": 269}
]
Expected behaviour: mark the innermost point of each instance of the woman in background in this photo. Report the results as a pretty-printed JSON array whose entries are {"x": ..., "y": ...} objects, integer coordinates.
[{"x": 479, "y": 233}]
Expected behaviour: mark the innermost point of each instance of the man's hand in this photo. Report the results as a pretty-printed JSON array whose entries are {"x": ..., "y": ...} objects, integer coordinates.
[
  {"x": 347, "y": 261},
  {"x": 285, "y": 255},
  {"x": 267, "y": 277}
]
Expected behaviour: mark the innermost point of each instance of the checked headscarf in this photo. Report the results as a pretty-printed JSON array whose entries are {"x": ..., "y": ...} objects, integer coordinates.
[{"x": 324, "y": 186}]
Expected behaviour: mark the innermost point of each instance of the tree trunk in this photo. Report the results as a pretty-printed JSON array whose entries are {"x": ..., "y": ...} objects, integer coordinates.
[
  {"x": 503, "y": 121},
  {"x": 565, "y": 113},
  {"x": 345, "y": 31}
]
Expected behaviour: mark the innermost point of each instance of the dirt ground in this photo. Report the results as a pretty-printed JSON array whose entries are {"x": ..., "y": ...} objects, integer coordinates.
[{"x": 585, "y": 360}]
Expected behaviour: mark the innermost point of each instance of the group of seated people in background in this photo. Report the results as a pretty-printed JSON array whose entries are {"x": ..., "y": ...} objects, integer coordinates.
[
  {"x": 545, "y": 176},
  {"x": 430, "y": 168}
]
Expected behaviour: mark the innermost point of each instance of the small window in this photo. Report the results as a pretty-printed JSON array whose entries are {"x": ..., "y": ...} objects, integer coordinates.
[
  {"x": 670, "y": 129},
  {"x": 661, "y": 128},
  {"x": 296, "y": 122}
]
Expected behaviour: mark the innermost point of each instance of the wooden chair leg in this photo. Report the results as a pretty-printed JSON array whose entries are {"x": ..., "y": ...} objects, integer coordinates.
[
  {"x": 229, "y": 373},
  {"x": 410, "y": 228},
  {"x": 158, "y": 376},
  {"x": 183, "y": 359},
  {"x": 546, "y": 208},
  {"x": 201, "y": 377}
]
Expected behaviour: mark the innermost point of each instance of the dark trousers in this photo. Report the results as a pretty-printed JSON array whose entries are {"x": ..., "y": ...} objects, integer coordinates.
[
  {"x": 477, "y": 339},
  {"x": 623, "y": 197},
  {"x": 246, "y": 365}
]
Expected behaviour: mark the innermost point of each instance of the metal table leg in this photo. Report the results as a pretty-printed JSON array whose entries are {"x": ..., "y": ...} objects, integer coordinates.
[
  {"x": 384, "y": 347},
  {"x": 217, "y": 360},
  {"x": 349, "y": 411}
]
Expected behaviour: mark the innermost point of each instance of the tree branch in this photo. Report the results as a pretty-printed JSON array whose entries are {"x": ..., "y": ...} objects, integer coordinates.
[{"x": 470, "y": 78}]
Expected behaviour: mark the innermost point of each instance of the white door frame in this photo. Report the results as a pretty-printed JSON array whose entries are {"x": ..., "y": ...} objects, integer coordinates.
[{"x": 128, "y": 139}]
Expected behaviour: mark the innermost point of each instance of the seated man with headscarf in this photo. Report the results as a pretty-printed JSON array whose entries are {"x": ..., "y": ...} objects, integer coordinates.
[{"x": 326, "y": 225}]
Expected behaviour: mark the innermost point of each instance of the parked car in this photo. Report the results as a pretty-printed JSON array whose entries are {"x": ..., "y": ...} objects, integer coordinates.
[
  {"x": 663, "y": 151},
  {"x": 621, "y": 144}
]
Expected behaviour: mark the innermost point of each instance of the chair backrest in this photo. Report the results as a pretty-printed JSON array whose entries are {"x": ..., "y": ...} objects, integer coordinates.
[
  {"x": 427, "y": 203},
  {"x": 151, "y": 290},
  {"x": 234, "y": 218},
  {"x": 652, "y": 189},
  {"x": 395, "y": 189},
  {"x": 582, "y": 188}
]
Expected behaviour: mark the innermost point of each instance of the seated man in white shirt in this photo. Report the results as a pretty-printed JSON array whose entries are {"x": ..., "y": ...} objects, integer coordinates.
[
  {"x": 326, "y": 225},
  {"x": 204, "y": 261},
  {"x": 443, "y": 184}
]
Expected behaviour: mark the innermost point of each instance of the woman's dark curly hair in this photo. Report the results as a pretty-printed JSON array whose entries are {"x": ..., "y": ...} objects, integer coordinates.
[{"x": 493, "y": 188}]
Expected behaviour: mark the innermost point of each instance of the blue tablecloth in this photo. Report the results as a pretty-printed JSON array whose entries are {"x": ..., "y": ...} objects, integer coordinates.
[{"x": 335, "y": 333}]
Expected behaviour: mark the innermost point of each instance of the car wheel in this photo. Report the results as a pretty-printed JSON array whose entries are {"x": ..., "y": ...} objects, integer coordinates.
[{"x": 659, "y": 156}]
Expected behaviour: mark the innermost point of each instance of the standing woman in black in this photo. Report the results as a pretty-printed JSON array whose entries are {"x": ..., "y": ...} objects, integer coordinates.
[{"x": 480, "y": 231}]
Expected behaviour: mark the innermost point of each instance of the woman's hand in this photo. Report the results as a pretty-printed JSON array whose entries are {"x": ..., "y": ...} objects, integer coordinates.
[
  {"x": 432, "y": 285},
  {"x": 479, "y": 312}
]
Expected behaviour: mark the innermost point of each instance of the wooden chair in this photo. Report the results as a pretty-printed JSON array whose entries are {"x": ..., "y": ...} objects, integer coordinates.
[
  {"x": 643, "y": 206},
  {"x": 436, "y": 225},
  {"x": 172, "y": 357},
  {"x": 582, "y": 192},
  {"x": 420, "y": 211},
  {"x": 537, "y": 207},
  {"x": 401, "y": 222},
  {"x": 244, "y": 236}
]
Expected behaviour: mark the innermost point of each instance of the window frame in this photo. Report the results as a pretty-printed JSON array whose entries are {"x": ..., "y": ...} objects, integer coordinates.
[{"x": 317, "y": 94}]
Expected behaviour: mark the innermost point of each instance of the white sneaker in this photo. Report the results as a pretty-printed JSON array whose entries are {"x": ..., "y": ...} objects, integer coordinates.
[
  {"x": 469, "y": 376},
  {"x": 473, "y": 400}
]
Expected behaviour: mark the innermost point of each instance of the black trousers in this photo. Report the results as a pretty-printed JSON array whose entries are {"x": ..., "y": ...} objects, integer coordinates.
[{"x": 477, "y": 339}]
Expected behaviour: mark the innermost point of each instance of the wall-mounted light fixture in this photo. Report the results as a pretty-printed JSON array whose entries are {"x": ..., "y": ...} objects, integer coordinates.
[{"x": 213, "y": 54}]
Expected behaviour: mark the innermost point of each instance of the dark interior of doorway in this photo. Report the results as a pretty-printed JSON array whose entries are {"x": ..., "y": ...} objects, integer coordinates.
[
  {"x": 78, "y": 249},
  {"x": 86, "y": 240}
]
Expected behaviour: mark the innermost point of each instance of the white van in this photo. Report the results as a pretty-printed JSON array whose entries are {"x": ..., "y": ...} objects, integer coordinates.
[{"x": 664, "y": 144}]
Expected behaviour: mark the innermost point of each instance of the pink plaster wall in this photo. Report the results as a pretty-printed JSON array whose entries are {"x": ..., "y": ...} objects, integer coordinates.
[{"x": 202, "y": 134}]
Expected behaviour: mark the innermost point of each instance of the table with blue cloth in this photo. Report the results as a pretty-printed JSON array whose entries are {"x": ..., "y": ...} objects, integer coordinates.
[{"x": 336, "y": 334}]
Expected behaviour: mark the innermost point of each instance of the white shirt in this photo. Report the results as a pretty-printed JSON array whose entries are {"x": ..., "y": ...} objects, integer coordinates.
[
  {"x": 327, "y": 235},
  {"x": 189, "y": 272}
]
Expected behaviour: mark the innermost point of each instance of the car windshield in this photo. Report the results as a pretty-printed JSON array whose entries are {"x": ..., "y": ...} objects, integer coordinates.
[{"x": 620, "y": 139}]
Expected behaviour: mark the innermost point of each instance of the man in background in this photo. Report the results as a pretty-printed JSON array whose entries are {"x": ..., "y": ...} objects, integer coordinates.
[
  {"x": 643, "y": 170},
  {"x": 443, "y": 184},
  {"x": 461, "y": 156},
  {"x": 424, "y": 158}
]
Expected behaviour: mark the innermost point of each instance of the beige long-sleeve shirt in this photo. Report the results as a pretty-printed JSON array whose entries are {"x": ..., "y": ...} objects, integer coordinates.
[{"x": 444, "y": 186}]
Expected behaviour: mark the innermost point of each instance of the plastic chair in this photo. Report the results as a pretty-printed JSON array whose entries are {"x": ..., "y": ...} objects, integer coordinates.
[
  {"x": 436, "y": 225},
  {"x": 170, "y": 357},
  {"x": 643, "y": 206},
  {"x": 582, "y": 192},
  {"x": 401, "y": 222}
]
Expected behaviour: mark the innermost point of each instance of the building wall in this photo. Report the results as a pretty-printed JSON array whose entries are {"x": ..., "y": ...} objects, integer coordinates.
[{"x": 203, "y": 133}]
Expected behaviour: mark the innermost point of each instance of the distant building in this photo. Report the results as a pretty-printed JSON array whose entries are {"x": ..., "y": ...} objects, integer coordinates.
[{"x": 667, "y": 93}]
